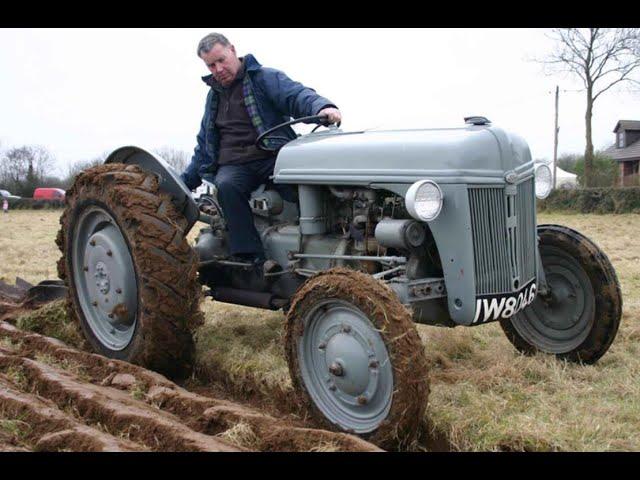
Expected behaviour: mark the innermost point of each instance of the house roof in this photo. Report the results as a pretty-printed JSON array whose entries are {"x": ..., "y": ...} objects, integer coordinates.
[
  {"x": 632, "y": 152},
  {"x": 627, "y": 125}
]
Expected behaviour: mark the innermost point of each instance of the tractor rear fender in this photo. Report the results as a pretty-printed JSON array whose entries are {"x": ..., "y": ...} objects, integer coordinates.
[{"x": 168, "y": 178}]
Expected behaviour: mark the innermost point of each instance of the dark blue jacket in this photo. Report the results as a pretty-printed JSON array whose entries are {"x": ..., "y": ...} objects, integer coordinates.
[{"x": 277, "y": 98}]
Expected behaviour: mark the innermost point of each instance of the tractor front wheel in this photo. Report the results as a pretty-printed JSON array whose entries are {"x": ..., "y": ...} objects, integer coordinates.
[
  {"x": 355, "y": 358},
  {"x": 578, "y": 318}
]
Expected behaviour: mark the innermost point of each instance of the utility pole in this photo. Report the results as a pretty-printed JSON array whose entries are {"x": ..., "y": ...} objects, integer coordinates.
[{"x": 555, "y": 144}]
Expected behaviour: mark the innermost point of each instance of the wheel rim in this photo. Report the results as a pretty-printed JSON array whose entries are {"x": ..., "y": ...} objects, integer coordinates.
[
  {"x": 561, "y": 321},
  {"x": 105, "y": 278},
  {"x": 345, "y": 366}
]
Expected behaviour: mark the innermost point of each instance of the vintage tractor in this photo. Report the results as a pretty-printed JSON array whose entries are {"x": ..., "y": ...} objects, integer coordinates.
[{"x": 372, "y": 231}]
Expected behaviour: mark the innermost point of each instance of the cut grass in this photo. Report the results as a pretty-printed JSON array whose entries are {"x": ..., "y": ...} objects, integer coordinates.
[
  {"x": 242, "y": 435},
  {"x": 52, "y": 320},
  {"x": 66, "y": 364},
  {"x": 14, "y": 430}
]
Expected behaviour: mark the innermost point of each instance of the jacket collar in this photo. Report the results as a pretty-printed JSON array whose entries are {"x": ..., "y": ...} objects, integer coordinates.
[{"x": 250, "y": 64}]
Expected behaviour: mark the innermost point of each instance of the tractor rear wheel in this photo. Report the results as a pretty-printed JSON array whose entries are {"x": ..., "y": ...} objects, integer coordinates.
[
  {"x": 131, "y": 275},
  {"x": 355, "y": 358}
]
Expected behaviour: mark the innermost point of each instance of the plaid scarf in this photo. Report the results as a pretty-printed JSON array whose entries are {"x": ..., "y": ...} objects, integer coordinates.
[{"x": 252, "y": 109}]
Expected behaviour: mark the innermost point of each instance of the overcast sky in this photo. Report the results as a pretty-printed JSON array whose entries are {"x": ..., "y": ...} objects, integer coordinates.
[{"x": 81, "y": 92}]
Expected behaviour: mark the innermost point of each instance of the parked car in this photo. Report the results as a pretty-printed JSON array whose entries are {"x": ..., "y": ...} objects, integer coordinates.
[
  {"x": 48, "y": 194},
  {"x": 7, "y": 194}
]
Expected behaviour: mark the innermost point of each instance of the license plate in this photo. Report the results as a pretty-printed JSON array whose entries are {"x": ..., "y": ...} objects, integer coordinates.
[{"x": 495, "y": 307}]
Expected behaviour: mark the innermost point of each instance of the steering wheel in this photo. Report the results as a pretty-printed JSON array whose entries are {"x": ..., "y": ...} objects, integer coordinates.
[{"x": 321, "y": 120}]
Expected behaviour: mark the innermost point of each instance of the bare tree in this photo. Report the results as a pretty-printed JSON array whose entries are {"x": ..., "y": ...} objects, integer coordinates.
[
  {"x": 74, "y": 169},
  {"x": 24, "y": 168},
  {"x": 601, "y": 58},
  {"x": 178, "y": 159}
]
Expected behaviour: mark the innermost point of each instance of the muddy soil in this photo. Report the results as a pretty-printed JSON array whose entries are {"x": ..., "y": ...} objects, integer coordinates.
[{"x": 54, "y": 397}]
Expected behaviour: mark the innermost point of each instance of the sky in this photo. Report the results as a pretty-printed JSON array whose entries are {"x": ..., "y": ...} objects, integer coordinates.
[{"x": 83, "y": 92}]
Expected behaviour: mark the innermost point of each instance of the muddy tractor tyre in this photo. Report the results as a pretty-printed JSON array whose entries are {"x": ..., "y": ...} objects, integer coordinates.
[
  {"x": 356, "y": 361},
  {"x": 579, "y": 318},
  {"x": 131, "y": 275}
]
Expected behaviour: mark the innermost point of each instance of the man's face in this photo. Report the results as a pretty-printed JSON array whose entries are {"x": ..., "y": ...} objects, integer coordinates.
[{"x": 222, "y": 62}]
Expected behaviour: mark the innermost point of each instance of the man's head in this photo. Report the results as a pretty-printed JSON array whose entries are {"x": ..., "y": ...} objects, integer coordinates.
[{"x": 220, "y": 57}]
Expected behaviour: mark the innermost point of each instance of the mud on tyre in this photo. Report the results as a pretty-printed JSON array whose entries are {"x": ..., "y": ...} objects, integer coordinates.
[
  {"x": 131, "y": 274},
  {"x": 356, "y": 361}
]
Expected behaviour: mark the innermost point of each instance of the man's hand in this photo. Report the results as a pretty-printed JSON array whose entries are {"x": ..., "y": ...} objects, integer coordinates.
[{"x": 333, "y": 114}]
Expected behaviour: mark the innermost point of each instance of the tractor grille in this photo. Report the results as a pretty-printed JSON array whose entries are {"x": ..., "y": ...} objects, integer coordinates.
[{"x": 503, "y": 228}]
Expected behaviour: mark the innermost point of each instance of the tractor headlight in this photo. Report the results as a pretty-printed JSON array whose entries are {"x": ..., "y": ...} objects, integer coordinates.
[
  {"x": 544, "y": 181},
  {"x": 424, "y": 200}
]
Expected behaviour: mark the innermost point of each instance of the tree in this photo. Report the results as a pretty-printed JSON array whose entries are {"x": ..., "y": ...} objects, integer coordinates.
[
  {"x": 568, "y": 161},
  {"x": 604, "y": 172},
  {"x": 74, "y": 169},
  {"x": 178, "y": 159},
  {"x": 601, "y": 58},
  {"x": 22, "y": 169}
]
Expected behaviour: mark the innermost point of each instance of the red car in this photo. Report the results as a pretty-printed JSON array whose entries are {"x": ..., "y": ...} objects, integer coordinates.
[{"x": 48, "y": 194}]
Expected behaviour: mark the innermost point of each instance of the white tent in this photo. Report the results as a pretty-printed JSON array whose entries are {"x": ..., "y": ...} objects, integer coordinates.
[{"x": 565, "y": 179}]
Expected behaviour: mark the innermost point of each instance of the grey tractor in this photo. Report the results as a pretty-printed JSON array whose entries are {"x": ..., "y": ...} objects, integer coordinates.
[{"x": 373, "y": 231}]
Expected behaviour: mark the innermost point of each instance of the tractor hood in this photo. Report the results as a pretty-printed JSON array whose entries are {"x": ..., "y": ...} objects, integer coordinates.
[{"x": 473, "y": 154}]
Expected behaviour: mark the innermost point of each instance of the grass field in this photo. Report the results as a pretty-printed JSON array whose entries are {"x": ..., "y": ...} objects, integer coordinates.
[{"x": 484, "y": 395}]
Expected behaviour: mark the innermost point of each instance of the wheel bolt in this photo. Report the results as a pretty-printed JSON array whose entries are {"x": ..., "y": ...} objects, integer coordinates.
[
  {"x": 336, "y": 369},
  {"x": 332, "y": 388},
  {"x": 362, "y": 400},
  {"x": 92, "y": 243},
  {"x": 373, "y": 364},
  {"x": 346, "y": 328},
  {"x": 94, "y": 303},
  {"x": 109, "y": 252},
  {"x": 118, "y": 290},
  {"x": 85, "y": 268},
  {"x": 322, "y": 346}
]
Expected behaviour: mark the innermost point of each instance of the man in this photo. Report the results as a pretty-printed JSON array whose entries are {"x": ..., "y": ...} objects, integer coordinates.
[{"x": 245, "y": 100}]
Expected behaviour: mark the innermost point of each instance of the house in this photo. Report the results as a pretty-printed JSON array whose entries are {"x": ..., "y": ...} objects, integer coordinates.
[{"x": 626, "y": 150}]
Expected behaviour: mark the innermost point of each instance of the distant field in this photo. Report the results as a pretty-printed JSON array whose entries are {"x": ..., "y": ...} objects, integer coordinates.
[{"x": 484, "y": 396}]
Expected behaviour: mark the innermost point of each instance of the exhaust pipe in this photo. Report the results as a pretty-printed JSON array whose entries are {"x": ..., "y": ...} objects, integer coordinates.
[{"x": 247, "y": 298}]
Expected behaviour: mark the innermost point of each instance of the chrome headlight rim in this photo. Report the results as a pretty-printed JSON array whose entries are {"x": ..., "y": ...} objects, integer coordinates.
[
  {"x": 410, "y": 200},
  {"x": 542, "y": 194}
]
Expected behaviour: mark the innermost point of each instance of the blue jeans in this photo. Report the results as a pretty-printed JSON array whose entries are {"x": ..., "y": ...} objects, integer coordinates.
[{"x": 235, "y": 184}]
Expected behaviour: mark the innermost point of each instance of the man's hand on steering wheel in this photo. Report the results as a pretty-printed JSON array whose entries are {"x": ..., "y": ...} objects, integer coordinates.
[{"x": 333, "y": 115}]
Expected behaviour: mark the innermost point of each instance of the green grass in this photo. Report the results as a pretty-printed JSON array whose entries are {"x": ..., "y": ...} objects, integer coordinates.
[
  {"x": 52, "y": 320},
  {"x": 16, "y": 430},
  {"x": 246, "y": 353}
]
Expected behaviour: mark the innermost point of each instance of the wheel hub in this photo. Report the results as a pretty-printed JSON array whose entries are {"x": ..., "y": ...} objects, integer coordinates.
[
  {"x": 348, "y": 361},
  {"x": 102, "y": 276},
  {"x": 105, "y": 278},
  {"x": 345, "y": 366},
  {"x": 559, "y": 321}
]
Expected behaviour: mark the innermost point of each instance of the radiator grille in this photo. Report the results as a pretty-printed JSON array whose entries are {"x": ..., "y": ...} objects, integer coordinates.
[{"x": 503, "y": 228}]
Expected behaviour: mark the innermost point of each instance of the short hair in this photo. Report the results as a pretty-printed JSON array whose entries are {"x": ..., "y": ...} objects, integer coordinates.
[{"x": 207, "y": 43}]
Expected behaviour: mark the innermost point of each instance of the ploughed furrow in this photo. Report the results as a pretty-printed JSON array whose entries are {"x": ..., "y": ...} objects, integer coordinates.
[
  {"x": 38, "y": 423},
  {"x": 114, "y": 409},
  {"x": 145, "y": 408}
]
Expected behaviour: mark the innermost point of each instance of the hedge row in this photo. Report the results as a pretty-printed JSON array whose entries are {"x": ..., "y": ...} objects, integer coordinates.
[
  {"x": 25, "y": 203},
  {"x": 593, "y": 200}
]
